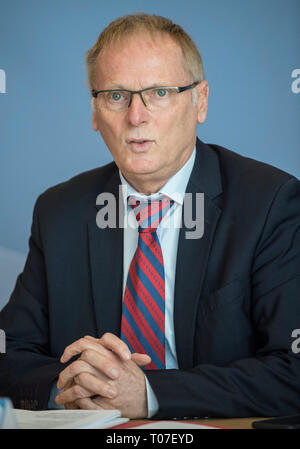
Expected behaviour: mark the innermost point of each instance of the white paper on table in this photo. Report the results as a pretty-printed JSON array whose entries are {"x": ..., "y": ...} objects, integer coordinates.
[{"x": 68, "y": 419}]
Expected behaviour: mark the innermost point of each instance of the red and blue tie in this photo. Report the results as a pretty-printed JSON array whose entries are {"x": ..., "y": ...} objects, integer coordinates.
[{"x": 143, "y": 315}]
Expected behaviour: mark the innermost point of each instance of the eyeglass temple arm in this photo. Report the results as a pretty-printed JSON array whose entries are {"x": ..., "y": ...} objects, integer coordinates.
[
  {"x": 191, "y": 86},
  {"x": 94, "y": 93}
]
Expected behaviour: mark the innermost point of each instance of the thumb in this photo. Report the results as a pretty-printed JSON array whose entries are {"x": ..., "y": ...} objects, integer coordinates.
[{"x": 141, "y": 359}]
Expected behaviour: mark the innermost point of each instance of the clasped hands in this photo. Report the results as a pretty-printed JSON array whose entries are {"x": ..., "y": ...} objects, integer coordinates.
[{"x": 105, "y": 376}]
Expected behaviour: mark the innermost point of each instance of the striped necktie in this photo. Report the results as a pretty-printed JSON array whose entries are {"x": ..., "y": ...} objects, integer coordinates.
[{"x": 143, "y": 315}]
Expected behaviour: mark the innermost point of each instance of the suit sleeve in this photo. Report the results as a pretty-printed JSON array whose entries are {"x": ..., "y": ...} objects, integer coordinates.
[
  {"x": 27, "y": 369},
  {"x": 268, "y": 383}
]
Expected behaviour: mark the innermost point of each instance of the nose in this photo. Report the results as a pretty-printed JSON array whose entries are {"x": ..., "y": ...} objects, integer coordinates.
[{"x": 137, "y": 112}]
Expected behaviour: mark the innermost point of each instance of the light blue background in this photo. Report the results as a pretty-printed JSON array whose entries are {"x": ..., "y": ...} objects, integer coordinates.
[{"x": 249, "y": 50}]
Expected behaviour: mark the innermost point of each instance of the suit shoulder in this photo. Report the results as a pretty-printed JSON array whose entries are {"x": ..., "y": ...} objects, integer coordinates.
[
  {"x": 241, "y": 170},
  {"x": 81, "y": 188},
  {"x": 85, "y": 181}
]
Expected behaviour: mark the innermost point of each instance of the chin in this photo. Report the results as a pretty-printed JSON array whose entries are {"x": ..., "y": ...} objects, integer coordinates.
[{"x": 140, "y": 168}]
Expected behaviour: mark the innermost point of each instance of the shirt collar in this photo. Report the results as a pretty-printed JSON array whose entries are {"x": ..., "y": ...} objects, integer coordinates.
[{"x": 174, "y": 188}]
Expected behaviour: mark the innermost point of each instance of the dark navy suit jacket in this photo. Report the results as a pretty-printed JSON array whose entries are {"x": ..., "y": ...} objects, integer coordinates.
[{"x": 237, "y": 291}]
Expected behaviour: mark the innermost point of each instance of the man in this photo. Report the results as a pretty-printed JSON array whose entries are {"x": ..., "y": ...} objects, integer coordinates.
[{"x": 228, "y": 300}]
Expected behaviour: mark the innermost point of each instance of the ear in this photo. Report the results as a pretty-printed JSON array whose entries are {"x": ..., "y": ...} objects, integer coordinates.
[
  {"x": 94, "y": 115},
  {"x": 202, "y": 93}
]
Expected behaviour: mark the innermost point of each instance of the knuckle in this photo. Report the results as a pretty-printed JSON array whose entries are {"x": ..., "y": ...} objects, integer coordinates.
[
  {"x": 84, "y": 355},
  {"x": 80, "y": 365},
  {"x": 81, "y": 341},
  {"x": 104, "y": 337},
  {"x": 107, "y": 336},
  {"x": 87, "y": 354},
  {"x": 123, "y": 346},
  {"x": 78, "y": 391},
  {"x": 112, "y": 340},
  {"x": 82, "y": 403},
  {"x": 73, "y": 368},
  {"x": 82, "y": 378}
]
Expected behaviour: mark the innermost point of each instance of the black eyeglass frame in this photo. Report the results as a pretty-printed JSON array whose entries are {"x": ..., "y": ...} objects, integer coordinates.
[{"x": 132, "y": 92}]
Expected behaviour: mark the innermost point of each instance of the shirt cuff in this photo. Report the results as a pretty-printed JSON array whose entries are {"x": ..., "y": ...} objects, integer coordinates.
[{"x": 152, "y": 401}]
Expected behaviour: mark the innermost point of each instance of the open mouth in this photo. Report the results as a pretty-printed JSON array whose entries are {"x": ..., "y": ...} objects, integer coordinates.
[
  {"x": 139, "y": 144},
  {"x": 138, "y": 140}
]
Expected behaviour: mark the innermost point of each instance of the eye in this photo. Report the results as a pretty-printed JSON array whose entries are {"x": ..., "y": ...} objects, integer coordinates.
[
  {"x": 116, "y": 96},
  {"x": 161, "y": 92}
]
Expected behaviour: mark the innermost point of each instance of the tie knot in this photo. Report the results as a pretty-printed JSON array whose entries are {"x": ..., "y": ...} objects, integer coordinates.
[{"x": 149, "y": 213}]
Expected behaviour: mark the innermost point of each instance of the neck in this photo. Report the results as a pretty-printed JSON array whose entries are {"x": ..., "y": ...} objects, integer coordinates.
[
  {"x": 147, "y": 183},
  {"x": 146, "y": 188}
]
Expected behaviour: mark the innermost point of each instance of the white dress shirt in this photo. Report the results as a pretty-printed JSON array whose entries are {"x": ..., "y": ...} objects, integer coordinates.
[{"x": 168, "y": 234}]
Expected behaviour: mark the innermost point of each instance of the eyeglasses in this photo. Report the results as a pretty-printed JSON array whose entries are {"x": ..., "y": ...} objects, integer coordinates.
[{"x": 152, "y": 97}]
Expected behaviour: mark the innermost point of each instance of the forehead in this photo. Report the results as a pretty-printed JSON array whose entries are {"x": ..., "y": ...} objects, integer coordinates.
[{"x": 141, "y": 60}]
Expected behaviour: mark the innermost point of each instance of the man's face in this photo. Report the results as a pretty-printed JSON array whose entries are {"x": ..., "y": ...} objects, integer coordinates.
[{"x": 170, "y": 134}]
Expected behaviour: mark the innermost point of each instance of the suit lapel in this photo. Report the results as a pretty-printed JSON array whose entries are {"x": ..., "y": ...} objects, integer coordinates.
[
  {"x": 106, "y": 262},
  {"x": 192, "y": 254}
]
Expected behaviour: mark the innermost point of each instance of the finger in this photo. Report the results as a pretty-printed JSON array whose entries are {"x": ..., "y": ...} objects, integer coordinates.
[
  {"x": 87, "y": 404},
  {"x": 86, "y": 386},
  {"x": 112, "y": 342},
  {"x": 66, "y": 376},
  {"x": 72, "y": 406},
  {"x": 107, "y": 342},
  {"x": 98, "y": 386},
  {"x": 71, "y": 394},
  {"x": 103, "y": 403},
  {"x": 109, "y": 366},
  {"x": 141, "y": 359},
  {"x": 80, "y": 345},
  {"x": 94, "y": 339},
  {"x": 115, "y": 344},
  {"x": 90, "y": 362}
]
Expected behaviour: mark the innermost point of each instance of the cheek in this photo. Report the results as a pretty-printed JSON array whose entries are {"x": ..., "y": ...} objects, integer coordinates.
[
  {"x": 110, "y": 130},
  {"x": 167, "y": 125},
  {"x": 106, "y": 127},
  {"x": 177, "y": 126}
]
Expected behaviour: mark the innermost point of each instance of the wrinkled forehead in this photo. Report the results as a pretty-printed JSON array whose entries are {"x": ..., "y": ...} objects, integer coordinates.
[{"x": 141, "y": 56}]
